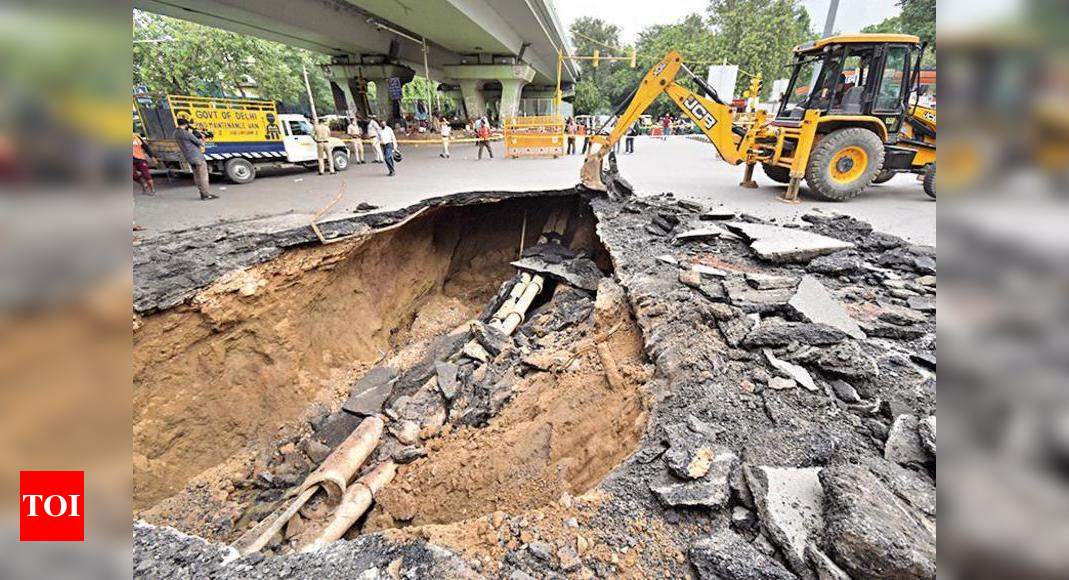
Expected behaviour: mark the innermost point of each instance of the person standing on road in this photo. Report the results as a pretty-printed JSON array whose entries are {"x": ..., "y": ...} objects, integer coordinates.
[
  {"x": 586, "y": 141},
  {"x": 192, "y": 149},
  {"x": 321, "y": 134},
  {"x": 389, "y": 145},
  {"x": 666, "y": 127},
  {"x": 483, "y": 132},
  {"x": 373, "y": 130},
  {"x": 629, "y": 145},
  {"x": 356, "y": 137},
  {"x": 570, "y": 130},
  {"x": 142, "y": 174},
  {"x": 446, "y": 131}
]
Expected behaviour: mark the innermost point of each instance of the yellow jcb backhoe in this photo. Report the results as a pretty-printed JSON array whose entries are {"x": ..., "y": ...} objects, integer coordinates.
[{"x": 839, "y": 124}]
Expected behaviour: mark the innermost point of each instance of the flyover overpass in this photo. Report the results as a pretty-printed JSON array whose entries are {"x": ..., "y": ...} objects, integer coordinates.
[{"x": 493, "y": 52}]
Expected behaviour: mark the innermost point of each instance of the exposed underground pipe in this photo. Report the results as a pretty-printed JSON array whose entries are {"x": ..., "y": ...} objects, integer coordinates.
[
  {"x": 332, "y": 475},
  {"x": 354, "y": 504},
  {"x": 340, "y": 466}
]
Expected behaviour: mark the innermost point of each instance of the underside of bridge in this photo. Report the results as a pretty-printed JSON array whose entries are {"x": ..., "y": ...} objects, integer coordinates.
[{"x": 491, "y": 54}]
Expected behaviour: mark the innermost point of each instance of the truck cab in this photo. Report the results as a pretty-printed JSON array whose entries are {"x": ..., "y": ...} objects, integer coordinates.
[{"x": 240, "y": 135}]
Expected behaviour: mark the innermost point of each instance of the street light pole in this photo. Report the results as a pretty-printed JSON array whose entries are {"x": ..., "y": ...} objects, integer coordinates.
[
  {"x": 829, "y": 22},
  {"x": 311, "y": 101}
]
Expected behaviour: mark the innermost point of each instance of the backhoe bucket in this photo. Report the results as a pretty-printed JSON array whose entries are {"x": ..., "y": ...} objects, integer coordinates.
[{"x": 590, "y": 175}]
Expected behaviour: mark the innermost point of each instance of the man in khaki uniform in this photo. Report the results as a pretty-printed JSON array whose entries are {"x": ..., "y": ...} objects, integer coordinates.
[
  {"x": 321, "y": 135},
  {"x": 356, "y": 138}
]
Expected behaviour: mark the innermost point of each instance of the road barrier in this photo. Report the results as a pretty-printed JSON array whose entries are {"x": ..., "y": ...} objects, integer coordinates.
[{"x": 534, "y": 136}]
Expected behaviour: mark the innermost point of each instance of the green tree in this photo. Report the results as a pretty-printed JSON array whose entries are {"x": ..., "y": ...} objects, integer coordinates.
[
  {"x": 759, "y": 35},
  {"x": 179, "y": 57},
  {"x": 917, "y": 18},
  {"x": 892, "y": 25},
  {"x": 589, "y": 100},
  {"x": 590, "y": 34}
]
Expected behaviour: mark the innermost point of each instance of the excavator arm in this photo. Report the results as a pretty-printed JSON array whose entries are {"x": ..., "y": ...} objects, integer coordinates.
[{"x": 712, "y": 117}]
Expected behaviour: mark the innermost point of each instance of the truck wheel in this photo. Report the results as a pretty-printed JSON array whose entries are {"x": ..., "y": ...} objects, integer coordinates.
[
  {"x": 844, "y": 163},
  {"x": 884, "y": 176},
  {"x": 776, "y": 173},
  {"x": 239, "y": 170},
  {"x": 341, "y": 159},
  {"x": 929, "y": 181}
]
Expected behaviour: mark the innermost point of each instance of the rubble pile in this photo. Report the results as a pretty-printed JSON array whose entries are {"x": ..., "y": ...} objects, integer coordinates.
[{"x": 694, "y": 392}]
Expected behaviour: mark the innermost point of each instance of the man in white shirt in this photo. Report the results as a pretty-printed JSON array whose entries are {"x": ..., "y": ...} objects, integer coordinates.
[
  {"x": 446, "y": 131},
  {"x": 389, "y": 145},
  {"x": 376, "y": 142}
]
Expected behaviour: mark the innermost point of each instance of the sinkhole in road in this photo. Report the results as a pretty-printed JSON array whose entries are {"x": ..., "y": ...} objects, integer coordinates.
[{"x": 230, "y": 388}]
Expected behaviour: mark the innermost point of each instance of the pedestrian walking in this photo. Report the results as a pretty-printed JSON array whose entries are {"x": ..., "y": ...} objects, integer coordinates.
[
  {"x": 192, "y": 149},
  {"x": 445, "y": 131},
  {"x": 321, "y": 135},
  {"x": 142, "y": 174},
  {"x": 570, "y": 130},
  {"x": 373, "y": 130},
  {"x": 666, "y": 126},
  {"x": 629, "y": 142},
  {"x": 356, "y": 139},
  {"x": 389, "y": 145},
  {"x": 483, "y": 132}
]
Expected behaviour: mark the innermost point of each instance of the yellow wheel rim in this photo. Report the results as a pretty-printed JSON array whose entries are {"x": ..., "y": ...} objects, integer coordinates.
[{"x": 848, "y": 164}]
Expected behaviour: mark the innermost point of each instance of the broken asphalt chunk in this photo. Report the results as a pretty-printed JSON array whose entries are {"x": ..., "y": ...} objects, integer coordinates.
[
  {"x": 904, "y": 445},
  {"x": 791, "y": 371},
  {"x": 700, "y": 234},
  {"x": 371, "y": 391},
  {"x": 578, "y": 272},
  {"x": 784, "y": 333},
  {"x": 870, "y": 532},
  {"x": 490, "y": 337},
  {"x": 815, "y": 304},
  {"x": 790, "y": 502},
  {"x": 447, "y": 379},
  {"x": 779, "y": 244},
  {"x": 728, "y": 556}
]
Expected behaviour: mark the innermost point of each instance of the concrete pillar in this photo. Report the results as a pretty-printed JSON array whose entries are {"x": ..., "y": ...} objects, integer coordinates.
[
  {"x": 512, "y": 77},
  {"x": 510, "y": 97},
  {"x": 474, "y": 102},
  {"x": 349, "y": 75}
]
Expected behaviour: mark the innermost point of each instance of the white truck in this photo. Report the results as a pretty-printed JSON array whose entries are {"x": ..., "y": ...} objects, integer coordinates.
[{"x": 241, "y": 135}]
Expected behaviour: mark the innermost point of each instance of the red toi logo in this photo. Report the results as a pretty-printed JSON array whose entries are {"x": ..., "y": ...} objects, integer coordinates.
[{"x": 51, "y": 506}]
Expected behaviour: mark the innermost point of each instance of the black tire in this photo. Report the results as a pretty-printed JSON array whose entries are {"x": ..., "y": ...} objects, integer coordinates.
[
  {"x": 929, "y": 181},
  {"x": 341, "y": 159},
  {"x": 776, "y": 173},
  {"x": 847, "y": 148},
  {"x": 239, "y": 170},
  {"x": 884, "y": 176}
]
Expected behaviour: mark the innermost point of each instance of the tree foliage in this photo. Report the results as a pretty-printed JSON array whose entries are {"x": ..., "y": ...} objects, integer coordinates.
[
  {"x": 590, "y": 34},
  {"x": 918, "y": 18},
  {"x": 179, "y": 57},
  {"x": 759, "y": 35},
  {"x": 589, "y": 100}
]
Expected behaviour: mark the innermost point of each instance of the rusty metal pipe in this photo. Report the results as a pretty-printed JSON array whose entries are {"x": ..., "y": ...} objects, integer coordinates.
[{"x": 354, "y": 504}]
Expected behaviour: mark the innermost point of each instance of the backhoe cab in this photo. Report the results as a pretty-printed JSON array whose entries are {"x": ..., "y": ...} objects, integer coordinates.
[{"x": 845, "y": 120}]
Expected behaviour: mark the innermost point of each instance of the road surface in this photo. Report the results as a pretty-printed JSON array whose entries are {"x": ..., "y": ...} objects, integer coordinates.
[{"x": 687, "y": 167}]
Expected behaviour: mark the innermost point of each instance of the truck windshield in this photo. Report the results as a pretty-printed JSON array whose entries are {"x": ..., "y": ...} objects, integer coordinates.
[{"x": 300, "y": 128}]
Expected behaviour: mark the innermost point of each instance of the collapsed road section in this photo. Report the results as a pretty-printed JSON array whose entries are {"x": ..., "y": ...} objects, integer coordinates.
[{"x": 539, "y": 385}]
